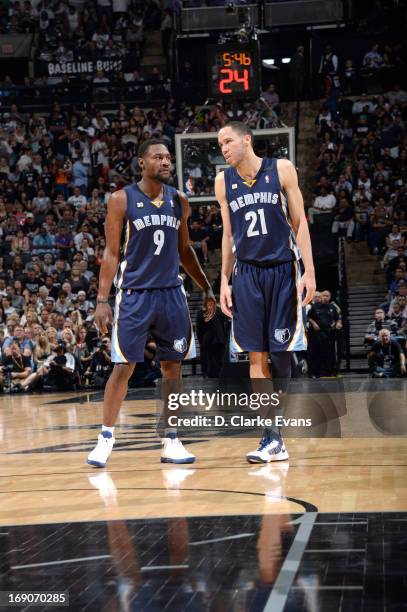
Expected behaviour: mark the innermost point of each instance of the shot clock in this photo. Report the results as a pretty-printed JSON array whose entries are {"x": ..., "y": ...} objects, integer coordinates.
[{"x": 234, "y": 71}]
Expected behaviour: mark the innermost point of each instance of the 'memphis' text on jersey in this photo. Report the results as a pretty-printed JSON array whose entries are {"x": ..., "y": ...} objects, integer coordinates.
[{"x": 262, "y": 197}]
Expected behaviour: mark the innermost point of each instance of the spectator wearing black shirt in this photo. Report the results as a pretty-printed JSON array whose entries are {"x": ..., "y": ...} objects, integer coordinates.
[
  {"x": 324, "y": 319},
  {"x": 100, "y": 365},
  {"x": 31, "y": 282},
  {"x": 395, "y": 263},
  {"x": 62, "y": 368},
  {"x": 379, "y": 322},
  {"x": 344, "y": 219},
  {"x": 15, "y": 367},
  {"x": 386, "y": 359}
]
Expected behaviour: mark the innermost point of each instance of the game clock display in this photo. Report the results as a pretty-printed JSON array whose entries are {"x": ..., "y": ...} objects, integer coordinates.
[{"x": 234, "y": 71}]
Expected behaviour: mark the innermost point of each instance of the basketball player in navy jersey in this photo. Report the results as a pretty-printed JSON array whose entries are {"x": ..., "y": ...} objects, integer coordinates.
[
  {"x": 150, "y": 298},
  {"x": 265, "y": 230}
]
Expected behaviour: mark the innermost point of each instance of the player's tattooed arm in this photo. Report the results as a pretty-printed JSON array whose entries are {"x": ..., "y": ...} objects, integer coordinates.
[
  {"x": 116, "y": 211},
  {"x": 289, "y": 183},
  {"x": 190, "y": 263},
  {"x": 228, "y": 258}
]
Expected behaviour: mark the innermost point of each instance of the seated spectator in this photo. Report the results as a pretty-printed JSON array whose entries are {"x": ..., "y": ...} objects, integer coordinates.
[
  {"x": 379, "y": 322},
  {"x": 25, "y": 345},
  {"x": 324, "y": 203},
  {"x": 100, "y": 365},
  {"x": 63, "y": 304},
  {"x": 64, "y": 242},
  {"x": 15, "y": 368},
  {"x": 386, "y": 359},
  {"x": 82, "y": 352},
  {"x": 396, "y": 262},
  {"x": 395, "y": 238},
  {"x": 77, "y": 200},
  {"x": 62, "y": 366},
  {"x": 44, "y": 242},
  {"x": 19, "y": 244},
  {"x": 399, "y": 279},
  {"x": 390, "y": 254},
  {"x": 344, "y": 219}
]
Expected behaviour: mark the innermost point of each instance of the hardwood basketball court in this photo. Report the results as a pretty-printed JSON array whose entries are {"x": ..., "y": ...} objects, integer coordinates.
[{"x": 47, "y": 485}]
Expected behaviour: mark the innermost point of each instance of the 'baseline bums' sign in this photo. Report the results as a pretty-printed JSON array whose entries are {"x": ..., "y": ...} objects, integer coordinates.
[{"x": 88, "y": 67}]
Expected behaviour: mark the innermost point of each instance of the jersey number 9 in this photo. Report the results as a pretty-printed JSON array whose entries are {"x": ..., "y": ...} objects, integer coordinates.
[{"x": 158, "y": 239}]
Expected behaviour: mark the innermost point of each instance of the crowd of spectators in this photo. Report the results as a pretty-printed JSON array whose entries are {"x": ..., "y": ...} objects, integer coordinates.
[
  {"x": 386, "y": 335},
  {"x": 58, "y": 169},
  {"x": 361, "y": 186},
  {"x": 361, "y": 168},
  {"x": 93, "y": 49}
]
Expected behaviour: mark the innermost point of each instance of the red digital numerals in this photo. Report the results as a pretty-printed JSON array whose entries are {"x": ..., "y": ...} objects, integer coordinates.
[{"x": 233, "y": 76}]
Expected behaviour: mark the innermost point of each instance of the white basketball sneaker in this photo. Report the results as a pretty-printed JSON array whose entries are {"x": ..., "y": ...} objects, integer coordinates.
[
  {"x": 270, "y": 449},
  {"x": 173, "y": 451},
  {"x": 101, "y": 453}
]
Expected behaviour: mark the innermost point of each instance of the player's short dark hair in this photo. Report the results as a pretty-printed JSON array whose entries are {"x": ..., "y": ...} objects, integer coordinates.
[
  {"x": 241, "y": 128},
  {"x": 144, "y": 147}
]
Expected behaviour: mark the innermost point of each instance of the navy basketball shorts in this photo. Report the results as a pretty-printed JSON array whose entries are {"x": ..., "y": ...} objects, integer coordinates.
[
  {"x": 161, "y": 313},
  {"x": 267, "y": 313}
]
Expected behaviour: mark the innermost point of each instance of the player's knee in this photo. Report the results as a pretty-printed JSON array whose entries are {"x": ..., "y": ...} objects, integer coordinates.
[
  {"x": 258, "y": 365},
  {"x": 123, "y": 371},
  {"x": 171, "y": 369}
]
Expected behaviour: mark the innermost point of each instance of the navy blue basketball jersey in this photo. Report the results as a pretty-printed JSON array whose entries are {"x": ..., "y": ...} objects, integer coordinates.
[
  {"x": 259, "y": 216},
  {"x": 150, "y": 257}
]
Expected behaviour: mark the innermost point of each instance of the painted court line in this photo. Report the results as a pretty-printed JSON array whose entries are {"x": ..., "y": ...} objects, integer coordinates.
[
  {"x": 61, "y": 562},
  {"x": 225, "y": 539},
  {"x": 278, "y": 596},
  {"x": 149, "y": 568}
]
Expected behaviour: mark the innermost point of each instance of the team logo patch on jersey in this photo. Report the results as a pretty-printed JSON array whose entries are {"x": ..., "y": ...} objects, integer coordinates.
[
  {"x": 282, "y": 335},
  {"x": 234, "y": 186},
  {"x": 267, "y": 179},
  {"x": 140, "y": 204},
  {"x": 180, "y": 345}
]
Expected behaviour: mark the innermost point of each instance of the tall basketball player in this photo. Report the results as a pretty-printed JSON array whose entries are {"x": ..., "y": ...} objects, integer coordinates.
[
  {"x": 150, "y": 298},
  {"x": 265, "y": 230}
]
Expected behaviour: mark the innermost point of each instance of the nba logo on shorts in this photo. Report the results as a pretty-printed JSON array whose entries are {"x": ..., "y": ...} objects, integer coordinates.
[
  {"x": 282, "y": 335},
  {"x": 180, "y": 345}
]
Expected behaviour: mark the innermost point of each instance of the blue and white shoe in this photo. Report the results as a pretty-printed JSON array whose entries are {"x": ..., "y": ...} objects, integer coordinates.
[
  {"x": 101, "y": 453},
  {"x": 173, "y": 451},
  {"x": 270, "y": 449}
]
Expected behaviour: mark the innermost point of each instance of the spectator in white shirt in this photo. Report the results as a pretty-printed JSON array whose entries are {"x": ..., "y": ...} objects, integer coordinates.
[
  {"x": 77, "y": 200},
  {"x": 324, "y": 203},
  {"x": 84, "y": 233}
]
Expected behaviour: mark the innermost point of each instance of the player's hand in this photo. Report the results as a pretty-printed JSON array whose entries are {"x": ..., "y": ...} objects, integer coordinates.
[
  {"x": 103, "y": 316},
  {"x": 226, "y": 300},
  {"x": 309, "y": 285},
  {"x": 403, "y": 370},
  {"x": 209, "y": 305}
]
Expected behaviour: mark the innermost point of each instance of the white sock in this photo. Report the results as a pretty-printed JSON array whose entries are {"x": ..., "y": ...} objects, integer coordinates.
[{"x": 110, "y": 429}]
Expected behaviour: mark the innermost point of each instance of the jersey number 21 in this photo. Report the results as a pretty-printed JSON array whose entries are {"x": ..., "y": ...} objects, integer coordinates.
[{"x": 254, "y": 217}]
